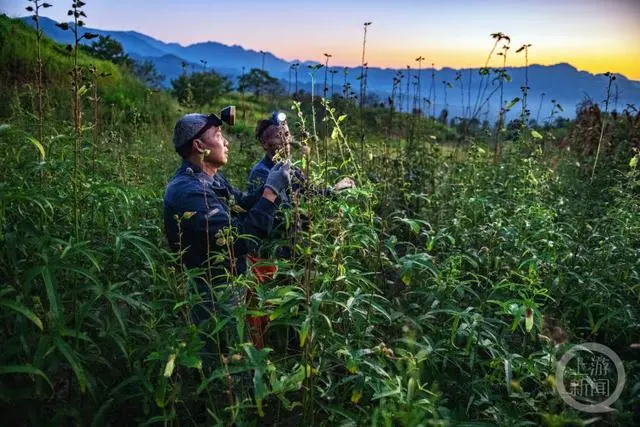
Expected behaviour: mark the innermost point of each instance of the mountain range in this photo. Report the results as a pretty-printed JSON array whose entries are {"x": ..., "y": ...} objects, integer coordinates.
[{"x": 561, "y": 82}]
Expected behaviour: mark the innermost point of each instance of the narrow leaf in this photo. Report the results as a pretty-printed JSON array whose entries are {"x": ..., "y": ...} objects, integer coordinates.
[
  {"x": 535, "y": 134},
  {"x": 25, "y": 369},
  {"x": 38, "y": 145},
  {"x": 19, "y": 308},
  {"x": 513, "y": 102},
  {"x": 54, "y": 306},
  {"x": 75, "y": 364}
]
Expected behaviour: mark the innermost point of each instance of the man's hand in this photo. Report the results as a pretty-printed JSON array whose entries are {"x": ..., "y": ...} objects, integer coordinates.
[
  {"x": 343, "y": 184},
  {"x": 279, "y": 178},
  {"x": 269, "y": 195}
]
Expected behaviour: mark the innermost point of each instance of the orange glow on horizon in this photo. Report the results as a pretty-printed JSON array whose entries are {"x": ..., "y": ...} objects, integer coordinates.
[{"x": 624, "y": 60}]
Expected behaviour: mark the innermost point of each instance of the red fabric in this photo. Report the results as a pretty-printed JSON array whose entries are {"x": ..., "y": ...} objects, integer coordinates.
[
  {"x": 257, "y": 328},
  {"x": 262, "y": 272},
  {"x": 258, "y": 324}
]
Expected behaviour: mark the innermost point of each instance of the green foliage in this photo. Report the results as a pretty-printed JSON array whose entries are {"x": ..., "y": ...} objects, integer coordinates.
[
  {"x": 124, "y": 98},
  {"x": 146, "y": 72},
  {"x": 204, "y": 88},
  {"x": 260, "y": 82},
  {"x": 107, "y": 49}
]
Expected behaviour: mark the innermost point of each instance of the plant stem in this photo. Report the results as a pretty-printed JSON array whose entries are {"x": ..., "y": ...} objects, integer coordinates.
[{"x": 604, "y": 124}]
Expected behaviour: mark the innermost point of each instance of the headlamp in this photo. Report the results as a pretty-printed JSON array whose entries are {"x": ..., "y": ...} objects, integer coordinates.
[
  {"x": 227, "y": 115},
  {"x": 278, "y": 117}
]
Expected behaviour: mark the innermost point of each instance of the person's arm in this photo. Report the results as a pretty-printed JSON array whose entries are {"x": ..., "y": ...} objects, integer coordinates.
[
  {"x": 270, "y": 184},
  {"x": 244, "y": 199},
  {"x": 211, "y": 216},
  {"x": 257, "y": 178}
]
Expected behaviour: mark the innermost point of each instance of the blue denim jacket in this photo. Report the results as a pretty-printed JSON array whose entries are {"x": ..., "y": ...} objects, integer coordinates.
[{"x": 210, "y": 199}]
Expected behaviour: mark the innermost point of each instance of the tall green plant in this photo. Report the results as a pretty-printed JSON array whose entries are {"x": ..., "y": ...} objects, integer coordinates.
[
  {"x": 35, "y": 9},
  {"x": 78, "y": 89},
  {"x": 611, "y": 78}
]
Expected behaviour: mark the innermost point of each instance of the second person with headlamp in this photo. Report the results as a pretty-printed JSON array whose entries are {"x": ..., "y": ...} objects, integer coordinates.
[{"x": 275, "y": 137}]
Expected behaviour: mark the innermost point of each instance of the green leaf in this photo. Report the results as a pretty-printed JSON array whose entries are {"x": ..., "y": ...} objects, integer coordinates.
[
  {"x": 190, "y": 361},
  {"x": 258, "y": 359},
  {"x": 508, "y": 372},
  {"x": 24, "y": 369},
  {"x": 75, "y": 364},
  {"x": 144, "y": 247},
  {"x": 180, "y": 304},
  {"x": 535, "y": 134},
  {"x": 38, "y": 145},
  {"x": 528, "y": 320},
  {"x": 513, "y": 102},
  {"x": 304, "y": 331},
  {"x": 98, "y": 419},
  {"x": 406, "y": 277},
  {"x": 411, "y": 389},
  {"x": 389, "y": 391},
  {"x": 171, "y": 364},
  {"x": 19, "y": 308},
  {"x": 633, "y": 162},
  {"x": 84, "y": 89},
  {"x": 54, "y": 306}
]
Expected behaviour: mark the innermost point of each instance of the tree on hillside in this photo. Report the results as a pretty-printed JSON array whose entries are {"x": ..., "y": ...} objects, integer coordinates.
[
  {"x": 108, "y": 49},
  {"x": 259, "y": 81},
  {"x": 205, "y": 87},
  {"x": 146, "y": 72}
]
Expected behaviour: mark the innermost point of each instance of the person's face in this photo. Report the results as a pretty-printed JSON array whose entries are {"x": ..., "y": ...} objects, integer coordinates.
[
  {"x": 214, "y": 146},
  {"x": 277, "y": 139}
]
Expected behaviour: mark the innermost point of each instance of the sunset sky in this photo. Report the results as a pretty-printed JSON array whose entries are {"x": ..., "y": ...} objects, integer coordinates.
[{"x": 592, "y": 35}]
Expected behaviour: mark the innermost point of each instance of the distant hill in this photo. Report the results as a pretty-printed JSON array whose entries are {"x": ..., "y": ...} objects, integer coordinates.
[
  {"x": 561, "y": 82},
  {"x": 120, "y": 92}
]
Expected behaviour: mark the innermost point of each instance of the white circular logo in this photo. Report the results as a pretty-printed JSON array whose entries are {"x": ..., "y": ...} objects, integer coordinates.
[{"x": 590, "y": 383}]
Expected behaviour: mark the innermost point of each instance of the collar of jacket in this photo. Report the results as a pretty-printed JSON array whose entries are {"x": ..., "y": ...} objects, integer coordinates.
[
  {"x": 217, "y": 181},
  {"x": 268, "y": 162},
  {"x": 190, "y": 168}
]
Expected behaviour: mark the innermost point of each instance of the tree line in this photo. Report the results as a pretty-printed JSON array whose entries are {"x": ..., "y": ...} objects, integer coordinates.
[{"x": 193, "y": 89}]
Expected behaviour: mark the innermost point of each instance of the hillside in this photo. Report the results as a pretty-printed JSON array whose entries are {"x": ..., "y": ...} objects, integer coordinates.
[{"x": 119, "y": 91}]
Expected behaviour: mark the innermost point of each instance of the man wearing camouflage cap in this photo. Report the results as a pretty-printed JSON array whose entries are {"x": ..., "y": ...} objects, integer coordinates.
[{"x": 198, "y": 202}]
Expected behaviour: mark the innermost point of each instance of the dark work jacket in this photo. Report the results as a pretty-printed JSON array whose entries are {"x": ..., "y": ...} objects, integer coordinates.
[
  {"x": 257, "y": 179},
  {"x": 260, "y": 172},
  {"x": 210, "y": 199}
]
